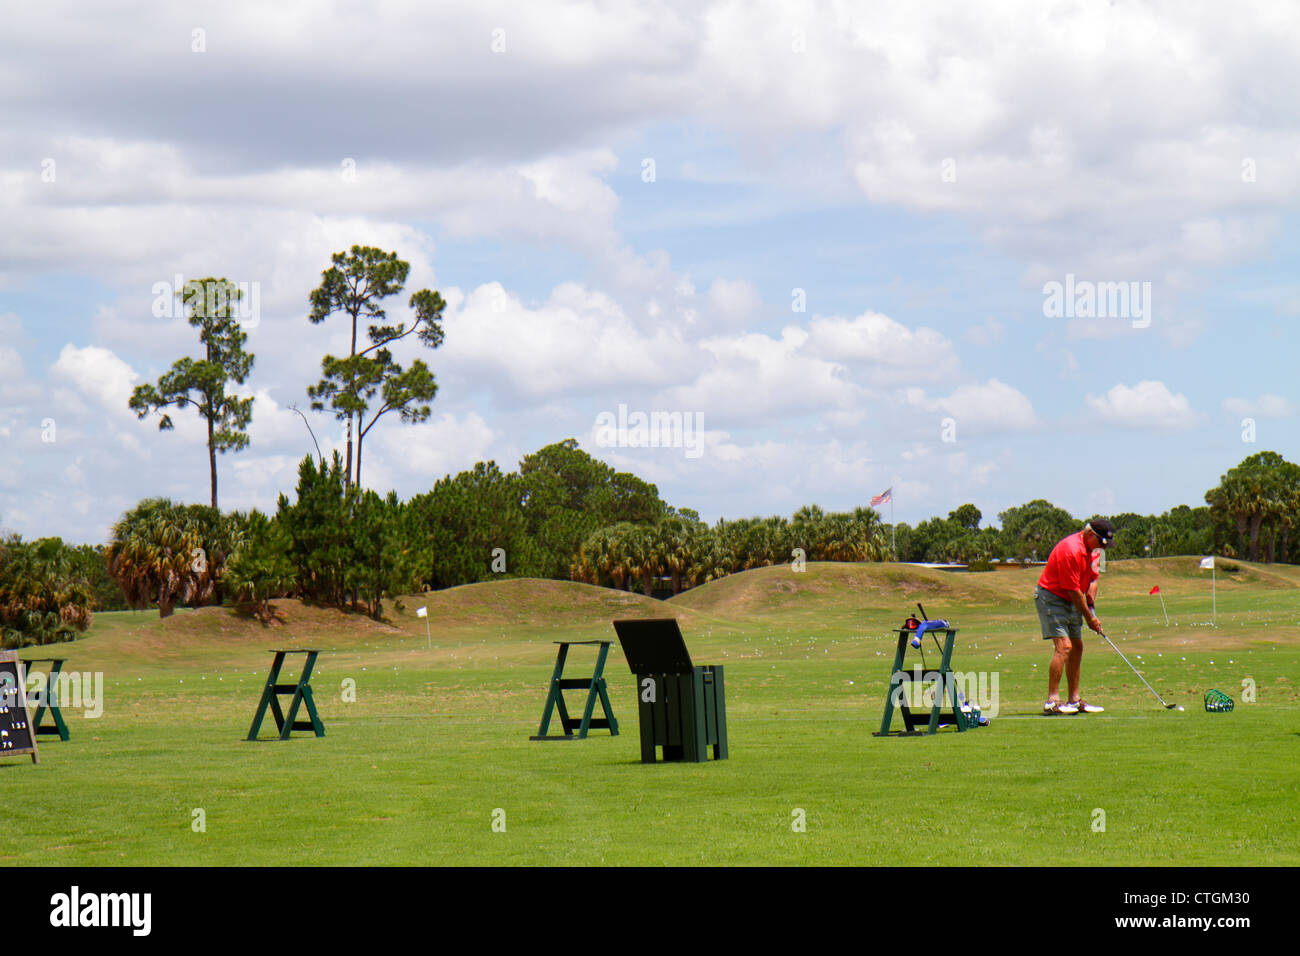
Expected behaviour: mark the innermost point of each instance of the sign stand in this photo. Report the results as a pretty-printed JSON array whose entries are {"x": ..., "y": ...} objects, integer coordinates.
[
  {"x": 16, "y": 735},
  {"x": 301, "y": 692},
  {"x": 593, "y": 685},
  {"x": 50, "y": 699},
  {"x": 946, "y": 686}
]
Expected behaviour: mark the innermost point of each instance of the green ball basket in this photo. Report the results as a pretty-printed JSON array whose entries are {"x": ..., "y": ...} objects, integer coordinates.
[{"x": 1217, "y": 702}]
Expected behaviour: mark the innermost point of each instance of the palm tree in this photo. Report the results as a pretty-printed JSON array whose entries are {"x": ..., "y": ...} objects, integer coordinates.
[
  {"x": 807, "y": 530},
  {"x": 154, "y": 556},
  {"x": 43, "y": 596},
  {"x": 708, "y": 559},
  {"x": 644, "y": 556}
]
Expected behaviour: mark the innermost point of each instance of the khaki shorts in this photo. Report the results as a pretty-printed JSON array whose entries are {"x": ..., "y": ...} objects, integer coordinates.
[{"x": 1057, "y": 616}]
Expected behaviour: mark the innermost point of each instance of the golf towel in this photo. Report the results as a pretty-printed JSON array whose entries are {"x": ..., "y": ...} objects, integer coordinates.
[{"x": 929, "y": 626}]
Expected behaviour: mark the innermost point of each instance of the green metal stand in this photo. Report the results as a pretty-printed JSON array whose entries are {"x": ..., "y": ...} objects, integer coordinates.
[
  {"x": 899, "y": 680},
  {"x": 50, "y": 699},
  {"x": 301, "y": 692},
  {"x": 593, "y": 685}
]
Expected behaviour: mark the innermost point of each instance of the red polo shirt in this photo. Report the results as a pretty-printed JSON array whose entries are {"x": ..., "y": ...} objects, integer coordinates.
[{"x": 1069, "y": 568}]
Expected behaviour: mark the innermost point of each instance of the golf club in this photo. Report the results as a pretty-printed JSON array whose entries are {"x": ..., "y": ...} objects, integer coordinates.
[{"x": 1167, "y": 706}]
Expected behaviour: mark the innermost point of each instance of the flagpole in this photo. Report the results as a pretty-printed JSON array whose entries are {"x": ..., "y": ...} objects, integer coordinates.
[
  {"x": 1214, "y": 595},
  {"x": 892, "y": 547},
  {"x": 1163, "y": 608},
  {"x": 428, "y": 636}
]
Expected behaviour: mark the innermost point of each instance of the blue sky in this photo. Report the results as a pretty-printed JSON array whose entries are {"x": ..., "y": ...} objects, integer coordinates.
[{"x": 915, "y": 172}]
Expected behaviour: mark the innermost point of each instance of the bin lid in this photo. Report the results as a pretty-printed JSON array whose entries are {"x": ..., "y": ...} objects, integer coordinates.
[{"x": 654, "y": 646}]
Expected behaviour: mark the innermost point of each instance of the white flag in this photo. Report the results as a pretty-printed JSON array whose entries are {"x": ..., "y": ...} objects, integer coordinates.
[
  {"x": 1207, "y": 564},
  {"x": 424, "y": 611}
]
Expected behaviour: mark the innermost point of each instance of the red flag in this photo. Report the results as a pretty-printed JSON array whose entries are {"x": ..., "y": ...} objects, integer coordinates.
[{"x": 1156, "y": 589}]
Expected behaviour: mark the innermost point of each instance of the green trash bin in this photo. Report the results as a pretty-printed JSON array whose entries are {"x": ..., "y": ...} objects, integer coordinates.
[{"x": 681, "y": 705}]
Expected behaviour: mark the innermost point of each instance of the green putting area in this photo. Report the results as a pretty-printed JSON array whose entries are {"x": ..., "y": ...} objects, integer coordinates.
[{"x": 426, "y": 758}]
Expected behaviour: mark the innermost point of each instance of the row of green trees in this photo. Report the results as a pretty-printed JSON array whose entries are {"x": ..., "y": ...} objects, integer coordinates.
[
  {"x": 1029, "y": 532},
  {"x": 563, "y": 514},
  {"x": 335, "y": 544},
  {"x": 530, "y": 523},
  {"x": 48, "y": 590},
  {"x": 1255, "y": 509},
  {"x": 684, "y": 551}
]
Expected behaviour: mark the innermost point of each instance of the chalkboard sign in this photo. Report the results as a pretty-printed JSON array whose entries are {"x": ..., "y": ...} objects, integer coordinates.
[{"x": 16, "y": 736}]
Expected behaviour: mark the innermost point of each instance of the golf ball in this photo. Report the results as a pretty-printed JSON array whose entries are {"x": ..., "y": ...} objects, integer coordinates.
[{"x": 1181, "y": 707}]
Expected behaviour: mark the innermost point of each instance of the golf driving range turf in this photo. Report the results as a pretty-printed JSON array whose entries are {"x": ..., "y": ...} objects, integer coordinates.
[{"x": 435, "y": 745}]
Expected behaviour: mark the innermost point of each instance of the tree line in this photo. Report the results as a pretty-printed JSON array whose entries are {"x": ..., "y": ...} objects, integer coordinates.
[{"x": 562, "y": 515}]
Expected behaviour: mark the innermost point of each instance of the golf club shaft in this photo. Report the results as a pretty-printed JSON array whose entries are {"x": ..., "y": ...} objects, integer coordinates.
[{"x": 1135, "y": 670}]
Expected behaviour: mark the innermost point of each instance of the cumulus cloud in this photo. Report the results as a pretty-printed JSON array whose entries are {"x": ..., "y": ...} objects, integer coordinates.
[
  {"x": 752, "y": 376},
  {"x": 1170, "y": 171},
  {"x": 577, "y": 339},
  {"x": 1148, "y": 404},
  {"x": 732, "y": 302},
  {"x": 889, "y": 349},
  {"x": 988, "y": 332},
  {"x": 1265, "y": 406},
  {"x": 991, "y": 406},
  {"x": 98, "y": 374}
]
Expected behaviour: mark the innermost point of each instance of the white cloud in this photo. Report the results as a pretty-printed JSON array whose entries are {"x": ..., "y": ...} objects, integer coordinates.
[
  {"x": 576, "y": 340},
  {"x": 1148, "y": 404},
  {"x": 733, "y": 303},
  {"x": 421, "y": 454},
  {"x": 890, "y": 351},
  {"x": 754, "y": 376},
  {"x": 993, "y": 405},
  {"x": 98, "y": 374},
  {"x": 1265, "y": 406},
  {"x": 988, "y": 332}
]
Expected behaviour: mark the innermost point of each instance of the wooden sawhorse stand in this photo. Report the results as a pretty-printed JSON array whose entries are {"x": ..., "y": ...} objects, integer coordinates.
[
  {"x": 593, "y": 685},
  {"x": 49, "y": 699},
  {"x": 301, "y": 692},
  {"x": 899, "y": 681}
]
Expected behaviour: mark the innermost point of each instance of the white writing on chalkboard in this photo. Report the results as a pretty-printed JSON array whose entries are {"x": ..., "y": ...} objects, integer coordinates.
[{"x": 15, "y": 730}]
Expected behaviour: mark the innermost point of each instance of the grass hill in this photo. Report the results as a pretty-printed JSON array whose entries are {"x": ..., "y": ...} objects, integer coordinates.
[{"x": 828, "y": 597}]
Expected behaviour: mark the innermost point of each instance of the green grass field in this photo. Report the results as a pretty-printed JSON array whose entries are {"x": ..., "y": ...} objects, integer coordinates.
[{"x": 437, "y": 740}]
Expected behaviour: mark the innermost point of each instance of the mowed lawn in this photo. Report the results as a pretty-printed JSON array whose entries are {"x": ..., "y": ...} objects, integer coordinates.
[{"x": 435, "y": 747}]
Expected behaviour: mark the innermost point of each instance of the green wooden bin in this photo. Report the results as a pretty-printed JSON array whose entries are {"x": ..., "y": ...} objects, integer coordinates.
[
  {"x": 684, "y": 714},
  {"x": 681, "y": 705}
]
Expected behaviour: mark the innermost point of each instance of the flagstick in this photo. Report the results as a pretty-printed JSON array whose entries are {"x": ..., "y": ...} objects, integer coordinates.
[
  {"x": 428, "y": 637},
  {"x": 1214, "y": 596},
  {"x": 1163, "y": 608}
]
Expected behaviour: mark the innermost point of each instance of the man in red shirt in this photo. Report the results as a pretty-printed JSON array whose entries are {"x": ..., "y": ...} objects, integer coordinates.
[{"x": 1065, "y": 598}]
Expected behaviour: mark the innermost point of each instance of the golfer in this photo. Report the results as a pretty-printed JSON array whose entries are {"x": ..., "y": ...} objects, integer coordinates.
[{"x": 1066, "y": 597}]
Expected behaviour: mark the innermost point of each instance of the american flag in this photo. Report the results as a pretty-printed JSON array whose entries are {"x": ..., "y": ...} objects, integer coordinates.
[{"x": 880, "y": 499}]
